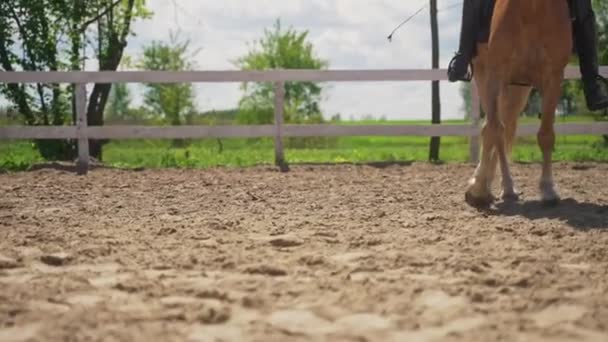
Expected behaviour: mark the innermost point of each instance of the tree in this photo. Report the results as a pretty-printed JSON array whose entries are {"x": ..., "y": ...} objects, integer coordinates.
[
  {"x": 572, "y": 97},
  {"x": 281, "y": 49},
  {"x": 465, "y": 93},
  {"x": 436, "y": 102},
  {"x": 57, "y": 35},
  {"x": 174, "y": 101},
  {"x": 118, "y": 102},
  {"x": 601, "y": 11}
]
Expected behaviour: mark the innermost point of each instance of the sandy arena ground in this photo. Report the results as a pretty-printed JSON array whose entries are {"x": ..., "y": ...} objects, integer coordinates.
[{"x": 324, "y": 253}]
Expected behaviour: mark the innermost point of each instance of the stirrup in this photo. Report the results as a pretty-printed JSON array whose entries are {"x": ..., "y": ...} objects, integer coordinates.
[
  {"x": 468, "y": 76},
  {"x": 602, "y": 79},
  {"x": 601, "y": 105}
]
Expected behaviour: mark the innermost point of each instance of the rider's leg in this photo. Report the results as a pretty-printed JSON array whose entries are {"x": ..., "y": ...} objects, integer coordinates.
[
  {"x": 585, "y": 31},
  {"x": 458, "y": 68}
]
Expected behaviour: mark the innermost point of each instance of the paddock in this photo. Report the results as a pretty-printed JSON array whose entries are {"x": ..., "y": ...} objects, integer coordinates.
[
  {"x": 320, "y": 253},
  {"x": 333, "y": 253}
]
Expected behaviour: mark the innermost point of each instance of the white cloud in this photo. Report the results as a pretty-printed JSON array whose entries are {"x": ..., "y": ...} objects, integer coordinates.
[{"x": 350, "y": 34}]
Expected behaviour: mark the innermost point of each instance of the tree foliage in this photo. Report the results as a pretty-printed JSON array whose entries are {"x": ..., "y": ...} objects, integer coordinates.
[
  {"x": 118, "y": 102},
  {"x": 174, "y": 101},
  {"x": 601, "y": 11},
  {"x": 281, "y": 49},
  {"x": 59, "y": 35}
]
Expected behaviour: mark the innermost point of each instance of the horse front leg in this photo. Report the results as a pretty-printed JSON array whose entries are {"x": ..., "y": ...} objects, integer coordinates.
[{"x": 479, "y": 192}]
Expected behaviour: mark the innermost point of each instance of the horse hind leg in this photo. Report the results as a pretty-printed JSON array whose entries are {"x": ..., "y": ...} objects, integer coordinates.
[
  {"x": 512, "y": 103},
  {"x": 546, "y": 140},
  {"x": 503, "y": 113}
]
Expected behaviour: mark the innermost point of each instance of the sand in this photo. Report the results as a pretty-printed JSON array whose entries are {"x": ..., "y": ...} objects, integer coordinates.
[{"x": 323, "y": 253}]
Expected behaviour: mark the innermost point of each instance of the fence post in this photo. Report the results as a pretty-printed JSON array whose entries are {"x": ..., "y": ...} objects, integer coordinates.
[
  {"x": 279, "y": 109},
  {"x": 475, "y": 118},
  {"x": 82, "y": 165}
]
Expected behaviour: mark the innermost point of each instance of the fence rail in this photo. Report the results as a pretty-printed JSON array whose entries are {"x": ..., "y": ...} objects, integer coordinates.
[{"x": 83, "y": 132}]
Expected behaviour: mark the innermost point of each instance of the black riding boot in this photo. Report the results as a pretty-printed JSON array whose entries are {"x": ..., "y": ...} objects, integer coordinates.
[
  {"x": 459, "y": 65},
  {"x": 586, "y": 37}
]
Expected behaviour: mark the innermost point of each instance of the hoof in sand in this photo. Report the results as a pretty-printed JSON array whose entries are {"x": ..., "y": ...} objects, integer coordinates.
[
  {"x": 551, "y": 202},
  {"x": 479, "y": 202},
  {"x": 510, "y": 197}
]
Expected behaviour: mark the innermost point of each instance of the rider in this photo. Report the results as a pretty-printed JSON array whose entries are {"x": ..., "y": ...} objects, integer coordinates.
[{"x": 585, "y": 33}]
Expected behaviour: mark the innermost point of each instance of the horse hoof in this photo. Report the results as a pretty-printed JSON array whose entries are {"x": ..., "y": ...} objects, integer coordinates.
[
  {"x": 510, "y": 196},
  {"x": 549, "y": 196},
  {"x": 551, "y": 202},
  {"x": 479, "y": 202}
]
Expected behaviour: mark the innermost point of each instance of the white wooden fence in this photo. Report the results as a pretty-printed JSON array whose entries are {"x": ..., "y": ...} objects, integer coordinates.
[{"x": 83, "y": 132}]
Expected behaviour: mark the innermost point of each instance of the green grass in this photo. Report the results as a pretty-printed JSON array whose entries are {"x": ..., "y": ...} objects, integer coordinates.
[
  {"x": 18, "y": 155},
  {"x": 248, "y": 152}
]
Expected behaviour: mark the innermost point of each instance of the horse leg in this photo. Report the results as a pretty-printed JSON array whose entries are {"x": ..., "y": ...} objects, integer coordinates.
[
  {"x": 490, "y": 171},
  {"x": 479, "y": 192},
  {"x": 512, "y": 104},
  {"x": 500, "y": 141},
  {"x": 518, "y": 98},
  {"x": 546, "y": 139}
]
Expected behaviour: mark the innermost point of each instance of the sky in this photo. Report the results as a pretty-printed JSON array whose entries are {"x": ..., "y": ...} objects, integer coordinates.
[{"x": 350, "y": 34}]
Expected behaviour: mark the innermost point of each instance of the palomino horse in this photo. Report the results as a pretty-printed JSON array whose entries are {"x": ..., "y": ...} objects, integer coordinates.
[{"x": 529, "y": 46}]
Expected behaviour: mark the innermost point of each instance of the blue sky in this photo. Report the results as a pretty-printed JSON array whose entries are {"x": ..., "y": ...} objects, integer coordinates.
[{"x": 350, "y": 34}]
